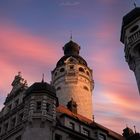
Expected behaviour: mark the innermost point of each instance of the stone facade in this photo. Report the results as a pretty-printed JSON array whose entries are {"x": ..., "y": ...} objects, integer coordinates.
[
  {"x": 37, "y": 115},
  {"x": 130, "y": 37}
]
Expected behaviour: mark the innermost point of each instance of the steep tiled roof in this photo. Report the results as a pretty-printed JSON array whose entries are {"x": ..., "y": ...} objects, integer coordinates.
[{"x": 65, "y": 111}]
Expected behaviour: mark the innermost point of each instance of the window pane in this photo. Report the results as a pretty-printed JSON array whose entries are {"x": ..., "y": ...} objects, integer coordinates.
[
  {"x": 58, "y": 137},
  {"x": 38, "y": 105},
  {"x": 71, "y": 125},
  {"x": 101, "y": 137},
  {"x": 18, "y": 138}
]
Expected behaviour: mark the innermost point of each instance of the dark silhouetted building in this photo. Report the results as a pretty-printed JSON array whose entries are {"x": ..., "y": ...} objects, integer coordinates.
[
  {"x": 130, "y": 135},
  {"x": 130, "y": 37}
]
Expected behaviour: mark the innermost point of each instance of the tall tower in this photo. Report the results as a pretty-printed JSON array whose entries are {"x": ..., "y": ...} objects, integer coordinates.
[
  {"x": 72, "y": 79},
  {"x": 130, "y": 37}
]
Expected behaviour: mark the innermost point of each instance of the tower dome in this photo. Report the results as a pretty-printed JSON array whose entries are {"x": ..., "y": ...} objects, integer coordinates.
[{"x": 71, "y": 48}]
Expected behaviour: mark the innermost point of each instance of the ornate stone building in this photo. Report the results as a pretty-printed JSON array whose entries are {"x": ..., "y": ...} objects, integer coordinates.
[
  {"x": 61, "y": 110},
  {"x": 130, "y": 37}
]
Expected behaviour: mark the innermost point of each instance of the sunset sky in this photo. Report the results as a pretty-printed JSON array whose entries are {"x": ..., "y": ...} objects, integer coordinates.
[{"x": 33, "y": 32}]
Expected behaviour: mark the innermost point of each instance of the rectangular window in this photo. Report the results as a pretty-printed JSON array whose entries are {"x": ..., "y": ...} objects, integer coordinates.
[
  {"x": 13, "y": 123},
  {"x": 9, "y": 107},
  {"x": 18, "y": 138},
  {"x": 20, "y": 117},
  {"x": 5, "y": 127},
  {"x": 38, "y": 105},
  {"x": 0, "y": 129},
  {"x": 72, "y": 125},
  {"x": 47, "y": 107},
  {"x": 58, "y": 137},
  {"x": 16, "y": 102},
  {"x": 71, "y": 67},
  {"x": 85, "y": 131},
  {"x": 102, "y": 137}
]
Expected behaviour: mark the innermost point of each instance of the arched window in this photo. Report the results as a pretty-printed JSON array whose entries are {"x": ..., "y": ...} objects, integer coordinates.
[
  {"x": 38, "y": 105},
  {"x": 58, "y": 88},
  {"x": 86, "y": 88},
  {"x": 81, "y": 69},
  {"x": 71, "y": 67},
  {"x": 62, "y": 70},
  {"x": 87, "y": 73},
  {"x": 55, "y": 74},
  {"x": 71, "y": 60}
]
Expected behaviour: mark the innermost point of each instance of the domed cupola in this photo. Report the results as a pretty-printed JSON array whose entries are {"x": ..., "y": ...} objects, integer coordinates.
[{"x": 71, "y": 48}]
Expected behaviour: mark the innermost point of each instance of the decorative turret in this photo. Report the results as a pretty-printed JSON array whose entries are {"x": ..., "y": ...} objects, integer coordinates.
[
  {"x": 18, "y": 85},
  {"x": 72, "y": 79},
  {"x": 41, "y": 101},
  {"x": 130, "y": 37},
  {"x": 39, "y": 111}
]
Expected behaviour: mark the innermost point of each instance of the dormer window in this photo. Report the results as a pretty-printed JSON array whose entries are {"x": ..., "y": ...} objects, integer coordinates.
[
  {"x": 71, "y": 60},
  {"x": 71, "y": 67}
]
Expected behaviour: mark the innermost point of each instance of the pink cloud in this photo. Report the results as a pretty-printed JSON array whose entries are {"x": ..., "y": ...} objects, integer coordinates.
[
  {"x": 22, "y": 44},
  {"x": 116, "y": 101},
  {"x": 22, "y": 51}
]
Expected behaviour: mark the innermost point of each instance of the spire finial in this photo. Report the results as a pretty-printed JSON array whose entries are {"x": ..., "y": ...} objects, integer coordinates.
[
  {"x": 135, "y": 129},
  {"x": 71, "y": 35},
  {"x": 19, "y": 73},
  {"x": 43, "y": 78},
  {"x": 135, "y": 5}
]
